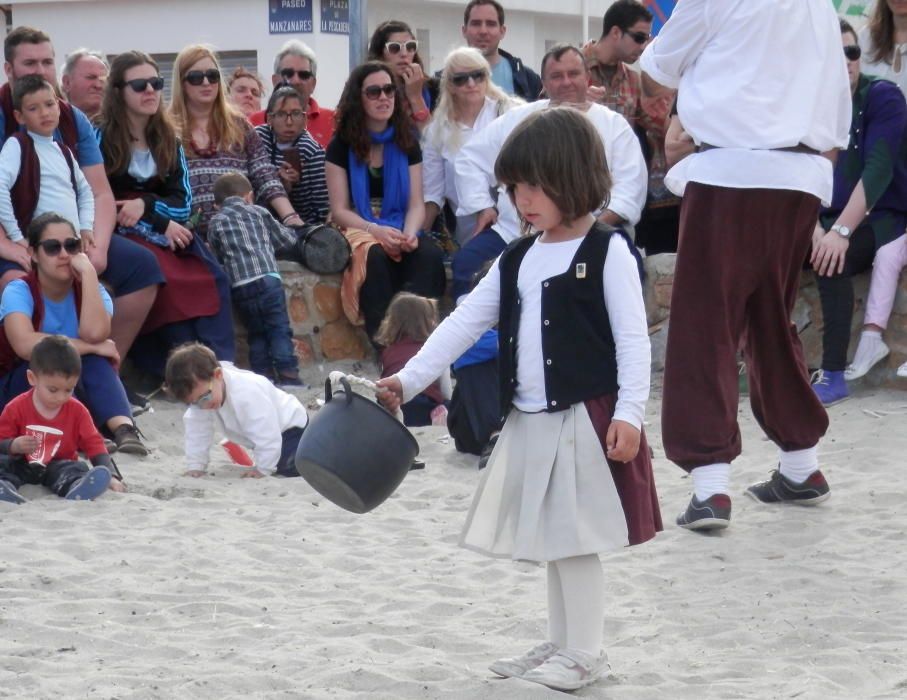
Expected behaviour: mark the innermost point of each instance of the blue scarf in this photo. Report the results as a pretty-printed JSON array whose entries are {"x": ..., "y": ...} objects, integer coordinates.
[{"x": 395, "y": 196}]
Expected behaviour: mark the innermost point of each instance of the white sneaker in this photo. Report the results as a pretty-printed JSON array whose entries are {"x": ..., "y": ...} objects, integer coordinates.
[
  {"x": 569, "y": 669},
  {"x": 867, "y": 356},
  {"x": 517, "y": 666},
  {"x": 902, "y": 370}
]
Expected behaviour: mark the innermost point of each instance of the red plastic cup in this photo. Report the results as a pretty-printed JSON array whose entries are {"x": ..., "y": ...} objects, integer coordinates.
[{"x": 49, "y": 440}]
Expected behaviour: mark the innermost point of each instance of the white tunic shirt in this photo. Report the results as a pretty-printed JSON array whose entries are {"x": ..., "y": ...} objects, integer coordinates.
[
  {"x": 255, "y": 413},
  {"x": 755, "y": 75},
  {"x": 480, "y": 310},
  {"x": 475, "y": 167},
  {"x": 55, "y": 193},
  {"x": 883, "y": 69}
]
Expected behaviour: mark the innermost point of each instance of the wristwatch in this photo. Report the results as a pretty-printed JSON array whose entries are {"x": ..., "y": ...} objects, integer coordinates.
[{"x": 841, "y": 230}]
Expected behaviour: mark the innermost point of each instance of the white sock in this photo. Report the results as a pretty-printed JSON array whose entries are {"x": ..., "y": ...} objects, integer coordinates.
[
  {"x": 867, "y": 347},
  {"x": 582, "y": 584},
  {"x": 557, "y": 616},
  {"x": 797, "y": 465},
  {"x": 711, "y": 479}
]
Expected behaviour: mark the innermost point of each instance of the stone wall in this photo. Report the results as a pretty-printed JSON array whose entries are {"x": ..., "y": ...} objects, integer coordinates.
[
  {"x": 321, "y": 332},
  {"x": 807, "y": 316}
]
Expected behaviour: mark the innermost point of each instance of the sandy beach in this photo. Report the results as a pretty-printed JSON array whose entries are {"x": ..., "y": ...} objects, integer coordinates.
[{"x": 237, "y": 588}]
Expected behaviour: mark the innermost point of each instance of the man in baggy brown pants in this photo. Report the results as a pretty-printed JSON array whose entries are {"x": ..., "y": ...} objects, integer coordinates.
[{"x": 763, "y": 91}]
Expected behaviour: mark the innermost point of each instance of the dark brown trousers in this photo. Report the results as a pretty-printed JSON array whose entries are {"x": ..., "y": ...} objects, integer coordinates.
[{"x": 737, "y": 278}]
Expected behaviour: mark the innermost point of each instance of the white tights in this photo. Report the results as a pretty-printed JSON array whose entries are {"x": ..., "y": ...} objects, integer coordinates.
[{"x": 576, "y": 603}]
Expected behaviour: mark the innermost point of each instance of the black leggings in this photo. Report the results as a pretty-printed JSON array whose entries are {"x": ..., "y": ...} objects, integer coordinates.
[
  {"x": 836, "y": 293},
  {"x": 420, "y": 272}
]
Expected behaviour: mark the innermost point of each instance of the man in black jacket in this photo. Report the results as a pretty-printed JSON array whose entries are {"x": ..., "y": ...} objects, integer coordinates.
[{"x": 483, "y": 29}]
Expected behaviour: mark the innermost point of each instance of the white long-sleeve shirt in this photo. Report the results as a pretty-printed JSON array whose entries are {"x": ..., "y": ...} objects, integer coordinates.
[
  {"x": 254, "y": 414},
  {"x": 55, "y": 193},
  {"x": 480, "y": 310},
  {"x": 475, "y": 178},
  {"x": 754, "y": 76}
]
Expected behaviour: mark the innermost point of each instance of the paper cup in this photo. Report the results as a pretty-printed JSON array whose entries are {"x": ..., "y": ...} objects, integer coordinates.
[{"x": 49, "y": 440}]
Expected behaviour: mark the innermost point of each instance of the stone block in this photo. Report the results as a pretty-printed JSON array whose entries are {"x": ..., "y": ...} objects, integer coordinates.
[
  {"x": 304, "y": 350},
  {"x": 297, "y": 309},
  {"x": 341, "y": 340},
  {"x": 327, "y": 302}
]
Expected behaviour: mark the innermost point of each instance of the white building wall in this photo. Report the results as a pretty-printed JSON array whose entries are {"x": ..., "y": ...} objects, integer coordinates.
[{"x": 166, "y": 26}]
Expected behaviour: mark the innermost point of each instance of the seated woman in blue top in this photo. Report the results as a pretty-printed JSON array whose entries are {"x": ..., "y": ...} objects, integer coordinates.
[
  {"x": 61, "y": 295},
  {"x": 148, "y": 174},
  {"x": 374, "y": 176}
]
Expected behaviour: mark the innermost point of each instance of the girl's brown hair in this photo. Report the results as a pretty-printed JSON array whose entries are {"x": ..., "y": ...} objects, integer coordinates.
[
  {"x": 560, "y": 151},
  {"x": 227, "y": 126},
  {"x": 349, "y": 117},
  {"x": 881, "y": 33},
  {"x": 409, "y": 317},
  {"x": 116, "y": 142}
]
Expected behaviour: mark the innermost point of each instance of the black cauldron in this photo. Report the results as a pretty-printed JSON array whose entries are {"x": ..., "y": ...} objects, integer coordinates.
[{"x": 353, "y": 452}]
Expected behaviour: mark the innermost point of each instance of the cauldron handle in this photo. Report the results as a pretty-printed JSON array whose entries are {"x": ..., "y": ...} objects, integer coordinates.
[{"x": 329, "y": 392}]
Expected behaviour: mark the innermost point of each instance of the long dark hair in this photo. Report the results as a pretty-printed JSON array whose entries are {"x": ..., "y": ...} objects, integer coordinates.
[
  {"x": 116, "y": 144},
  {"x": 881, "y": 33},
  {"x": 379, "y": 39},
  {"x": 349, "y": 118}
]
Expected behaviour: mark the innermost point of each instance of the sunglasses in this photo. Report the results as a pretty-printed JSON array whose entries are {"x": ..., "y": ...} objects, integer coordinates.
[
  {"x": 460, "y": 79},
  {"x": 853, "y": 52},
  {"x": 141, "y": 84},
  {"x": 197, "y": 77},
  {"x": 373, "y": 92},
  {"x": 288, "y": 74},
  {"x": 639, "y": 37},
  {"x": 53, "y": 246},
  {"x": 205, "y": 398},
  {"x": 395, "y": 47}
]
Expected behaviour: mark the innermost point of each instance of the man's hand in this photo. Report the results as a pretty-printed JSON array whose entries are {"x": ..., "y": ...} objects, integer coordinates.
[
  {"x": 828, "y": 256},
  {"x": 288, "y": 175},
  {"x": 252, "y": 474},
  {"x": 129, "y": 211},
  {"x": 16, "y": 252},
  {"x": 87, "y": 236},
  {"x": 622, "y": 441},
  {"x": 484, "y": 219},
  {"x": 390, "y": 394},
  {"x": 107, "y": 348},
  {"x": 195, "y": 473},
  {"x": 23, "y": 445}
]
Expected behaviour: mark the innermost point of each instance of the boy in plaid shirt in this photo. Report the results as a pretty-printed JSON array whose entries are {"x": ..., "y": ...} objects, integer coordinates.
[{"x": 243, "y": 236}]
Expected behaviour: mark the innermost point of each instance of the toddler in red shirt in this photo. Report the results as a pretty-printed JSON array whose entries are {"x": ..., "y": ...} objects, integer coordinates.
[{"x": 43, "y": 430}]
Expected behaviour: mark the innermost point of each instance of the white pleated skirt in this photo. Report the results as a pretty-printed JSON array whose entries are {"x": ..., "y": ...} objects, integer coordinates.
[{"x": 547, "y": 492}]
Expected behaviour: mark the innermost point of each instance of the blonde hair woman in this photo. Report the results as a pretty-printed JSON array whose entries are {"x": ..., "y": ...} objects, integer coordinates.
[
  {"x": 217, "y": 138},
  {"x": 469, "y": 101}
]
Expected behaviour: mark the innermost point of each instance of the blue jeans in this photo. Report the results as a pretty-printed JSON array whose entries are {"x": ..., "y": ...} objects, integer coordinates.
[
  {"x": 290, "y": 443},
  {"x": 262, "y": 307},
  {"x": 484, "y": 246}
]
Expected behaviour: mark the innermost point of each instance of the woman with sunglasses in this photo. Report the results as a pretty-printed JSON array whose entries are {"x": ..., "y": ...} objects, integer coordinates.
[
  {"x": 394, "y": 43},
  {"x": 469, "y": 101},
  {"x": 374, "y": 177},
  {"x": 298, "y": 157},
  {"x": 244, "y": 88},
  {"x": 61, "y": 295},
  {"x": 217, "y": 139},
  {"x": 147, "y": 170}
]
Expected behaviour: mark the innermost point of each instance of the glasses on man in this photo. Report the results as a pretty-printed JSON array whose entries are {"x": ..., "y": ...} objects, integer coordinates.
[
  {"x": 639, "y": 37},
  {"x": 141, "y": 84},
  {"x": 288, "y": 74},
  {"x": 294, "y": 115},
  {"x": 197, "y": 77},
  {"x": 205, "y": 398},
  {"x": 395, "y": 47},
  {"x": 853, "y": 52},
  {"x": 53, "y": 246},
  {"x": 460, "y": 79},
  {"x": 373, "y": 92}
]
